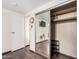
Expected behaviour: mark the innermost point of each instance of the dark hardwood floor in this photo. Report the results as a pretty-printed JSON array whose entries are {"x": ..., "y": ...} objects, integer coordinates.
[{"x": 25, "y": 53}]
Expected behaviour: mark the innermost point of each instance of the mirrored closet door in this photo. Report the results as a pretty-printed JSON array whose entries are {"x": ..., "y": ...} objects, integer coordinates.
[{"x": 43, "y": 34}]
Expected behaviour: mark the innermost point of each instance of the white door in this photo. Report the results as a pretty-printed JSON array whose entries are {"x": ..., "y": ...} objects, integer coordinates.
[{"x": 17, "y": 32}]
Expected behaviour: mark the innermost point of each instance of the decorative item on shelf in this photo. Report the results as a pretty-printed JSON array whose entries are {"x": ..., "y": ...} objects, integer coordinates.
[{"x": 32, "y": 20}]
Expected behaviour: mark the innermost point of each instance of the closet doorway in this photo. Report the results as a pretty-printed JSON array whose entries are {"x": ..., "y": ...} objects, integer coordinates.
[{"x": 63, "y": 30}]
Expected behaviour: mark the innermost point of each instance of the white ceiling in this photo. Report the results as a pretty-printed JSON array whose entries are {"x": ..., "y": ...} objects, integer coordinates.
[{"x": 23, "y": 6}]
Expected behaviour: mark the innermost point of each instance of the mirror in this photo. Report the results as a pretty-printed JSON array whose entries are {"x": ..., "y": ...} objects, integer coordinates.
[{"x": 42, "y": 44}]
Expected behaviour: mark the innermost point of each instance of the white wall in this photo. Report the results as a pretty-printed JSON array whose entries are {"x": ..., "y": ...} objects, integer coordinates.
[
  {"x": 12, "y": 22},
  {"x": 32, "y": 34},
  {"x": 27, "y": 39},
  {"x": 6, "y": 31}
]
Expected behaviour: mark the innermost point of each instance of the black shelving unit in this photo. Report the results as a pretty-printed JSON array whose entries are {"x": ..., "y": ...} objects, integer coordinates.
[{"x": 54, "y": 47}]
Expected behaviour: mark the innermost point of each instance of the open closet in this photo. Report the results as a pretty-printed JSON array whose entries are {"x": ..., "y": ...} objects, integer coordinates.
[{"x": 63, "y": 30}]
